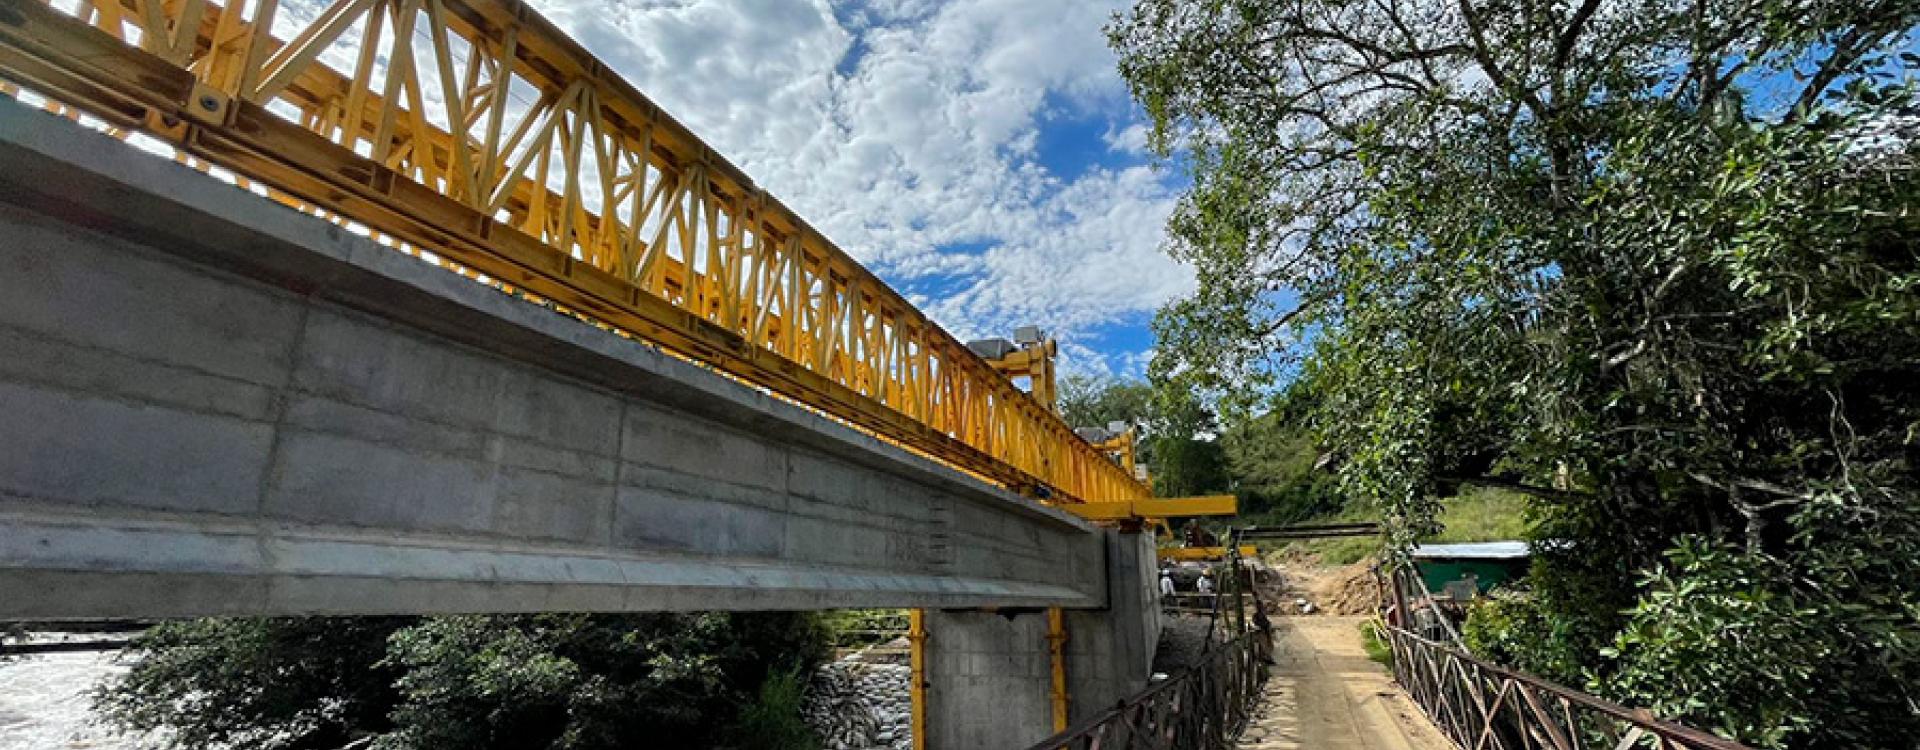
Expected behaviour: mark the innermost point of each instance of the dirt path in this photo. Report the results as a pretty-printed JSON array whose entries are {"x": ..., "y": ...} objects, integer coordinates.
[{"x": 1324, "y": 694}]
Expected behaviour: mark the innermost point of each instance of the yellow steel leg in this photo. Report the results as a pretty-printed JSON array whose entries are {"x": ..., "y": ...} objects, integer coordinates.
[
  {"x": 1057, "y": 647},
  {"x": 917, "y": 639}
]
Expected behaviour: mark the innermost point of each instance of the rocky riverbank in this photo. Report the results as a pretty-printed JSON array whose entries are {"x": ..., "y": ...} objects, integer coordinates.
[{"x": 855, "y": 705}]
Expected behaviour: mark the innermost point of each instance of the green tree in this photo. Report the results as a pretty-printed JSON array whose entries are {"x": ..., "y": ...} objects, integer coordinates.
[
  {"x": 1096, "y": 401},
  {"x": 574, "y": 681},
  {"x": 578, "y": 681},
  {"x": 1174, "y": 429},
  {"x": 278, "y": 684},
  {"x": 1276, "y": 468},
  {"x": 1652, "y": 263},
  {"x": 1185, "y": 466}
]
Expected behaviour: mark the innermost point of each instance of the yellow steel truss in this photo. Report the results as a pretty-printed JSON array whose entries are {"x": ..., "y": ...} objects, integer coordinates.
[{"x": 475, "y": 130}]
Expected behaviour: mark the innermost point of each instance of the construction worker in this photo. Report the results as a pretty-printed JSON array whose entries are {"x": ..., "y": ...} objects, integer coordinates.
[
  {"x": 1200, "y": 537},
  {"x": 1206, "y": 582},
  {"x": 1166, "y": 582}
]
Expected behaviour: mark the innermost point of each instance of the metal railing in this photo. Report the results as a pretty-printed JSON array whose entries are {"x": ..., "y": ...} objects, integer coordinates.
[
  {"x": 476, "y": 134},
  {"x": 1201, "y": 707},
  {"x": 1481, "y": 706}
]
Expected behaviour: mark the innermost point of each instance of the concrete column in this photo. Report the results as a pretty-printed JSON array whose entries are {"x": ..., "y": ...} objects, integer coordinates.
[
  {"x": 989, "y": 679},
  {"x": 1110, "y": 651},
  {"x": 989, "y": 674}
]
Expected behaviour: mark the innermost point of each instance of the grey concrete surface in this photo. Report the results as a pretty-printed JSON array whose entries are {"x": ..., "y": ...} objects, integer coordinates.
[
  {"x": 990, "y": 677},
  {"x": 212, "y": 404},
  {"x": 1110, "y": 650}
]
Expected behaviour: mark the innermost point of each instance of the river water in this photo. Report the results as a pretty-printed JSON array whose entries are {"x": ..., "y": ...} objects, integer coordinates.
[{"x": 45, "y": 703}]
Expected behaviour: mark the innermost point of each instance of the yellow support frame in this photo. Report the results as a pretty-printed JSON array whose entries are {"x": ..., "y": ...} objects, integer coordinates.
[
  {"x": 917, "y": 666},
  {"x": 1036, "y": 364},
  {"x": 1057, "y": 653},
  {"x": 1158, "y": 507},
  {"x": 1184, "y": 554}
]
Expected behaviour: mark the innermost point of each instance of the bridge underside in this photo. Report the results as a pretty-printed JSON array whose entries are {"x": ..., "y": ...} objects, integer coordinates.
[{"x": 210, "y": 404}]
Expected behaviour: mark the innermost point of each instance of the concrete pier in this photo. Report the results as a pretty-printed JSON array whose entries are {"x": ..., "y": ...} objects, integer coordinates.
[{"x": 990, "y": 674}]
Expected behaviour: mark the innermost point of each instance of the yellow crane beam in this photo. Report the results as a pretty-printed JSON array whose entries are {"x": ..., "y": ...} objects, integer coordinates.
[
  {"x": 1204, "y": 554},
  {"x": 1158, "y": 507}
]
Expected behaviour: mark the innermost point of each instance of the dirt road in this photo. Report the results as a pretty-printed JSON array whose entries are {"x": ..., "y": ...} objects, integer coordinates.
[{"x": 1325, "y": 694}]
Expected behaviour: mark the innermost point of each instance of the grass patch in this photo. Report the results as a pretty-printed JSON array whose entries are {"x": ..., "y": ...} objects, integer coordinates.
[
  {"x": 772, "y": 721},
  {"x": 1375, "y": 643},
  {"x": 1483, "y": 515}
]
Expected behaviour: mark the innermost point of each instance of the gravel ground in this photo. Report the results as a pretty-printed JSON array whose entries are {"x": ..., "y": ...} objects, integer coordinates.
[
  {"x": 1182, "y": 640},
  {"x": 1325, "y": 694}
]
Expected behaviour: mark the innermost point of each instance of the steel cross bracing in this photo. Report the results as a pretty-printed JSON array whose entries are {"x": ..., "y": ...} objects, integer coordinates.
[{"x": 477, "y": 131}]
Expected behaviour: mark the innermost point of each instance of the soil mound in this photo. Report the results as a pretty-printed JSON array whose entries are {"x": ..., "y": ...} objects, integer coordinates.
[{"x": 1349, "y": 590}]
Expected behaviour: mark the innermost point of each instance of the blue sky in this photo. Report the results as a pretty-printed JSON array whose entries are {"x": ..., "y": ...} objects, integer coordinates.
[{"x": 981, "y": 155}]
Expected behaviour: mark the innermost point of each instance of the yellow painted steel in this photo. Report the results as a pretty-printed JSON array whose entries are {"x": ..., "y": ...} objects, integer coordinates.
[
  {"x": 1123, "y": 447},
  {"x": 1159, "y": 507},
  {"x": 1182, "y": 554},
  {"x": 1057, "y": 652},
  {"x": 475, "y": 133},
  {"x": 917, "y": 672},
  {"x": 1036, "y": 364}
]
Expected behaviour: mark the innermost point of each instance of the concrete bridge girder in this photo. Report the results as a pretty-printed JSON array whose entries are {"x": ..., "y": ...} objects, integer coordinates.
[{"x": 212, "y": 404}]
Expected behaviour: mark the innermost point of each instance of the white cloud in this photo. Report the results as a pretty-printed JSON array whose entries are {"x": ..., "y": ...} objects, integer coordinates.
[
  {"x": 899, "y": 126},
  {"x": 1131, "y": 139}
]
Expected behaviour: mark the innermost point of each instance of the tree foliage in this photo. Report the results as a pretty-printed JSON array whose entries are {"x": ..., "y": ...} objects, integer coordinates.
[
  {"x": 1653, "y": 263},
  {"x": 1174, "y": 431},
  {"x": 1096, "y": 401},
  {"x": 561, "y": 681},
  {"x": 272, "y": 683},
  {"x": 1275, "y": 464}
]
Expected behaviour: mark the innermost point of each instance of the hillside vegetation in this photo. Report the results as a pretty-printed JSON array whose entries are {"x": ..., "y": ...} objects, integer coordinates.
[{"x": 1654, "y": 265}]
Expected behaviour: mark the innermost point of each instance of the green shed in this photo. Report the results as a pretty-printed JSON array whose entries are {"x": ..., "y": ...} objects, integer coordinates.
[{"x": 1462, "y": 571}]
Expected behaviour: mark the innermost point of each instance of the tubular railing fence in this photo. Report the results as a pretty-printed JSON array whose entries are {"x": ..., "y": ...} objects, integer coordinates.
[
  {"x": 1201, "y": 707},
  {"x": 1483, "y": 706}
]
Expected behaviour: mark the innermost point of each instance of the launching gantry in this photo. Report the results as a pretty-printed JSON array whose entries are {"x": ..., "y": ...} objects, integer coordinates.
[{"x": 1030, "y": 354}]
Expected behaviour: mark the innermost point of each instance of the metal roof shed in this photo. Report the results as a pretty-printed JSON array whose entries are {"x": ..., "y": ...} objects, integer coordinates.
[{"x": 1461, "y": 571}]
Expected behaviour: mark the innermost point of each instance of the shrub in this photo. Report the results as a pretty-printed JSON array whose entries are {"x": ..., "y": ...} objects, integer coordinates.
[
  {"x": 313, "y": 682},
  {"x": 772, "y": 721},
  {"x": 554, "y": 681}
]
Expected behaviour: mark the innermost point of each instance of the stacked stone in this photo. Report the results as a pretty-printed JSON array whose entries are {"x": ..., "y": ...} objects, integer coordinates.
[{"x": 860, "y": 706}]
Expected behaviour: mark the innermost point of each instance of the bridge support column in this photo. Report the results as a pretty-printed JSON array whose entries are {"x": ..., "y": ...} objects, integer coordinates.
[{"x": 990, "y": 677}]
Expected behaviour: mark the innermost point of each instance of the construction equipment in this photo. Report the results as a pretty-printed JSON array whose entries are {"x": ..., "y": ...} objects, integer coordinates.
[
  {"x": 1159, "y": 508},
  {"x": 1123, "y": 447},
  {"x": 1029, "y": 355},
  {"x": 477, "y": 136}
]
